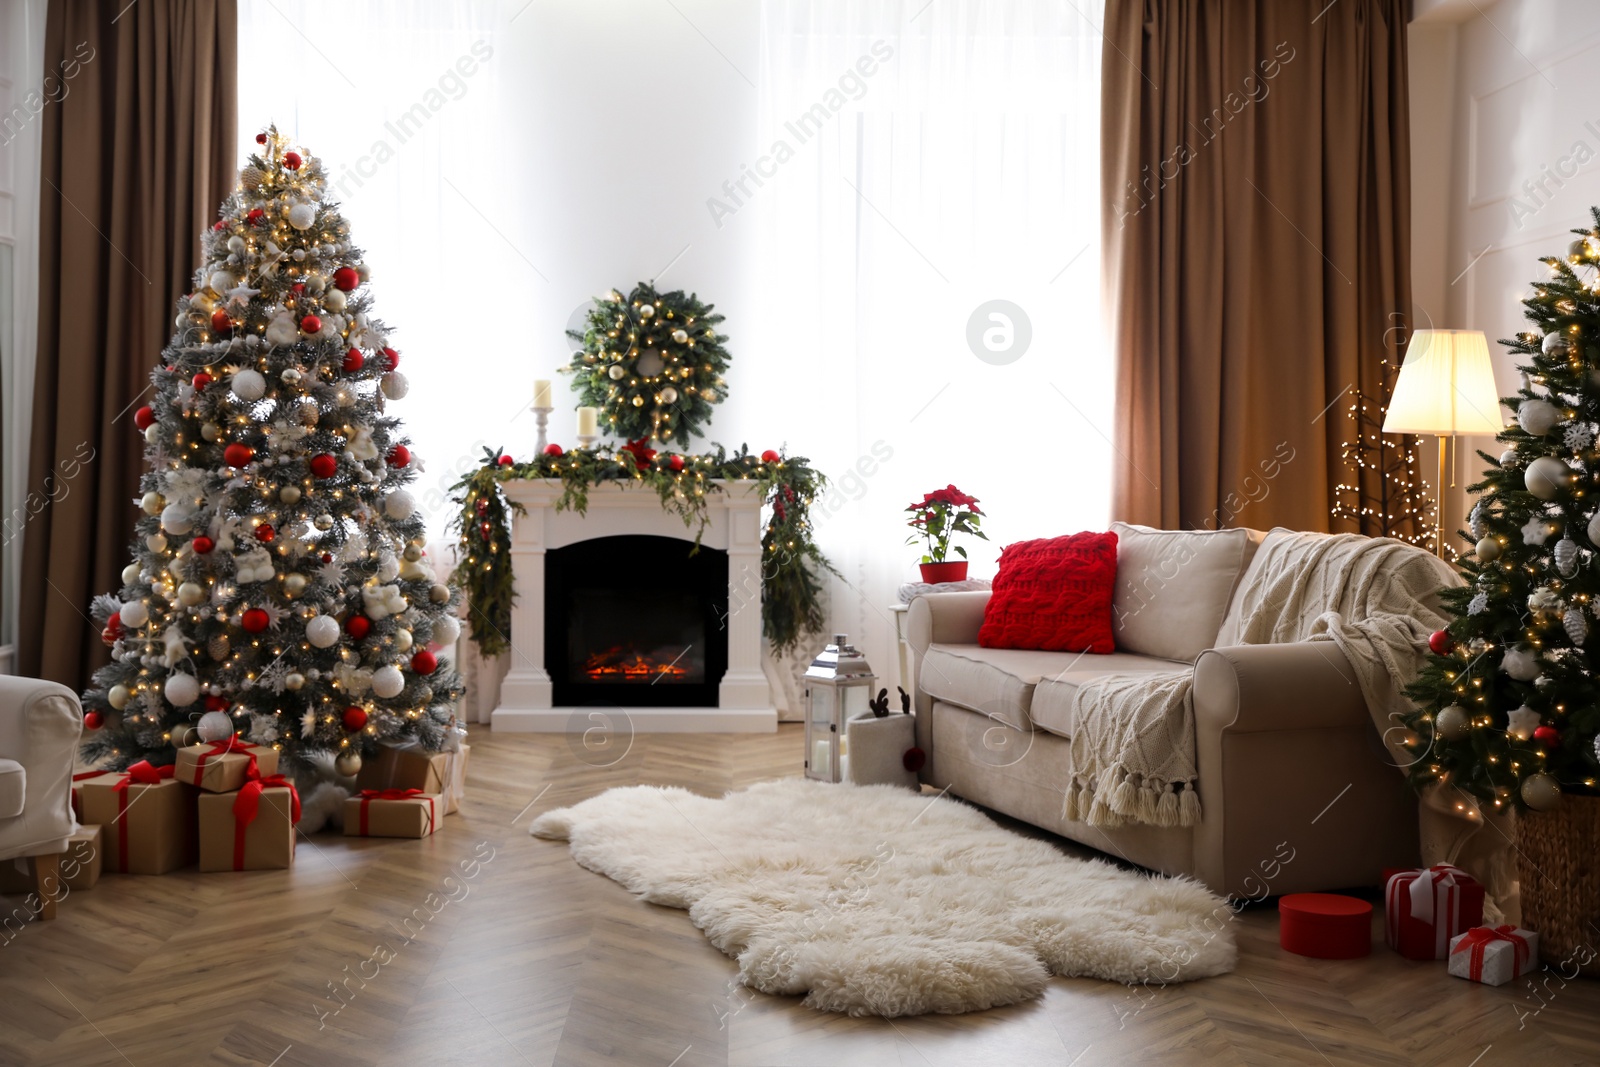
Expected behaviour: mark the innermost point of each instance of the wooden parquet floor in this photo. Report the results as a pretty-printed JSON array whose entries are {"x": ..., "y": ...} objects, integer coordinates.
[{"x": 482, "y": 945}]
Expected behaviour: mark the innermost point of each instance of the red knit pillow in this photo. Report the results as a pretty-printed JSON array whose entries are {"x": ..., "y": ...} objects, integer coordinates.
[{"x": 1054, "y": 595}]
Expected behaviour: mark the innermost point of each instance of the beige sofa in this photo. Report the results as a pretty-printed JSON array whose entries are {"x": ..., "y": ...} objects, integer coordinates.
[{"x": 1296, "y": 790}]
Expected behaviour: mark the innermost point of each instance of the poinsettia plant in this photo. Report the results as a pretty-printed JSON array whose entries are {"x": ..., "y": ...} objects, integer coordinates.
[{"x": 938, "y": 517}]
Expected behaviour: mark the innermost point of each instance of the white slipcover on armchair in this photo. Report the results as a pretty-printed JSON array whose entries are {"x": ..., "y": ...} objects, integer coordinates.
[{"x": 39, "y": 727}]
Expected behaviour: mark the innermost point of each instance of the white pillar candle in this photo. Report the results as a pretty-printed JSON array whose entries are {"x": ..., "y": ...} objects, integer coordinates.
[
  {"x": 820, "y": 764},
  {"x": 541, "y": 394},
  {"x": 586, "y": 421}
]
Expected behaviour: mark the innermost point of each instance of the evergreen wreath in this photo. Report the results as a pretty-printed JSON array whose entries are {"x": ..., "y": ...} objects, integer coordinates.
[{"x": 651, "y": 362}]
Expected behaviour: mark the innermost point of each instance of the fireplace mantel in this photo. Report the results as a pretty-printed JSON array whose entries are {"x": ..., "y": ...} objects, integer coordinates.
[{"x": 745, "y": 702}]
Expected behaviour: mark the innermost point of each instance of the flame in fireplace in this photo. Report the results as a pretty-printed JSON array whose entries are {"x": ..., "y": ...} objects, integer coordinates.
[{"x": 619, "y": 664}]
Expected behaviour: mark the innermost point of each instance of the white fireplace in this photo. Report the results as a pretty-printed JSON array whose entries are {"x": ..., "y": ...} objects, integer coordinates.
[{"x": 744, "y": 703}]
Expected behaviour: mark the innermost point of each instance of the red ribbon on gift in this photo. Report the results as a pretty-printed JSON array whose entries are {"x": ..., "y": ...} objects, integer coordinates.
[
  {"x": 369, "y": 795},
  {"x": 222, "y": 748},
  {"x": 1443, "y": 881},
  {"x": 248, "y": 804},
  {"x": 1479, "y": 938},
  {"x": 141, "y": 773}
]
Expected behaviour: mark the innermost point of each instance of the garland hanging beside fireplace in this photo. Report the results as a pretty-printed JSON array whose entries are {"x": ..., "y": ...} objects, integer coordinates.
[{"x": 791, "y": 561}]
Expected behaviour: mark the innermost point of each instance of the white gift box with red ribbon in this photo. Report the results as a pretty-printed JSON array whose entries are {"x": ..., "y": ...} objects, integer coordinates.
[
  {"x": 1424, "y": 909},
  {"x": 1494, "y": 955}
]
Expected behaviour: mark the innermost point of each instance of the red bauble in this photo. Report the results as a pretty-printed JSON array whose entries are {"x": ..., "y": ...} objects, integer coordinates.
[
  {"x": 255, "y": 620},
  {"x": 399, "y": 456},
  {"x": 770, "y": 456},
  {"x": 220, "y": 322},
  {"x": 202, "y": 544},
  {"x": 201, "y": 380},
  {"x": 482, "y": 506},
  {"x": 675, "y": 462},
  {"x": 552, "y": 450},
  {"x": 391, "y": 357},
  {"x": 346, "y": 278},
  {"x": 108, "y": 636},
  {"x": 237, "y": 455},
  {"x": 292, "y": 160},
  {"x": 1441, "y": 642},
  {"x": 424, "y": 662},
  {"x": 219, "y": 225},
  {"x": 144, "y": 418},
  {"x": 1547, "y": 737},
  {"x": 506, "y": 461},
  {"x": 353, "y": 360},
  {"x": 358, "y": 626},
  {"x": 485, "y": 528},
  {"x": 254, "y": 216},
  {"x": 93, "y": 720},
  {"x": 323, "y": 465},
  {"x": 326, "y": 557},
  {"x": 217, "y": 703},
  {"x": 261, "y": 138},
  {"x": 354, "y": 719},
  {"x": 310, "y": 324},
  {"x": 914, "y": 759},
  {"x": 265, "y": 534},
  {"x": 297, "y": 288},
  {"x": 114, "y": 626}
]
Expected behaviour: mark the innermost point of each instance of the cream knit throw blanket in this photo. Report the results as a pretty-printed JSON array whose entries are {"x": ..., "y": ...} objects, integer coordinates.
[{"x": 1133, "y": 748}]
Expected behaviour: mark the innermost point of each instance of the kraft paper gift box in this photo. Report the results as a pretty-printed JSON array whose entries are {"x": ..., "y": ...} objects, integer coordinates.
[
  {"x": 392, "y": 813},
  {"x": 250, "y": 830},
  {"x": 404, "y": 766},
  {"x": 1424, "y": 909},
  {"x": 79, "y": 865},
  {"x": 224, "y": 766},
  {"x": 1494, "y": 955},
  {"x": 146, "y": 817}
]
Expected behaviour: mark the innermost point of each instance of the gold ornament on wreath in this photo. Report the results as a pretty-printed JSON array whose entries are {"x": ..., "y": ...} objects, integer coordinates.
[{"x": 653, "y": 363}]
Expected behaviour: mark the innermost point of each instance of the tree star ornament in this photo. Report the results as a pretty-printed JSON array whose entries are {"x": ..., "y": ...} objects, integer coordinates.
[
  {"x": 1521, "y": 723},
  {"x": 1536, "y": 531}
]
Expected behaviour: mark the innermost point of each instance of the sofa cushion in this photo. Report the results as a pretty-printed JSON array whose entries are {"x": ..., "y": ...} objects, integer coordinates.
[
  {"x": 13, "y": 784},
  {"x": 992, "y": 681},
  {"x": 1051, "y": 706},
  {"x": 1053, "y": 594},
  {"x": 1174, "y": 588}
]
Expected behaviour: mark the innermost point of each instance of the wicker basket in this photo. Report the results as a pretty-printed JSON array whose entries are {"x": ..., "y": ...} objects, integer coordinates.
[{"x": 1558, "y": 861}]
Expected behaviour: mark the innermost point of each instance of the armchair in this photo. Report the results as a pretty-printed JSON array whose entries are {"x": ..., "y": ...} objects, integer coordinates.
[{"x": 39, "y": 727}]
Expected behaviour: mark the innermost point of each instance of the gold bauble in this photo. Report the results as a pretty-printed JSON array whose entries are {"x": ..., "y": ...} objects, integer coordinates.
[
  {"x": 348, "y": 764},
  {"x": 412, "y": 552},
  {"x": 118, "y": 696},
  {"x": 289, "y": 494}
]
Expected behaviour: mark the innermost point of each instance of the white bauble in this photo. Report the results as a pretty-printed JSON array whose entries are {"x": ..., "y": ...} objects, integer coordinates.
[
  {"x": 348, "y": 764},
  {"x": 316, "y": 281},
  {"x": 680, "y": 336},
  {"x": 236, "y": 244},
  {"x": 1452, "y": 723},
  {"x": 294, "y": 681},
  {"x": 363, "y": 272},
  {"x": 323, "y": 631},
  {"x": 334, "y": 300},
  {"x": 439, "y": 593},
  {"x": 152, "y": 433},
  {"x": 1488, "y": 550},
  {"x": 221, "y": 281},
  {"x": 1541, "y": 792},
  {"x": 215, "y": 726},
  {"x": 181, "y": 690},
  {"x": 294, "y": 584},
  {"x": 248, "y": 385},
  {"x": 616, "y": 373},
  {"x": 177, "y": 519},
  {"x": 302, "y": 216},
  {"x": 190, "y": 594},
  {"x": 387, "y": 681},
  {"x": 289, "y": 494},
  {"x": 210, "y": 431},
  {"x": 156, "y": 543},
  {"x": 669, "y": 395},
  {"x": 1508, "y": 457},
  {"x": 134, "y": 614},
  {"x": 1555, "y": 343},
  {"x": 152, "y": 503},
  {"x": 646, "y": 310},
  {"x": 403, "y": 640},
  {"x": 394, "y": 385},
  {"x": 1537, "y": 417},
  {"x": 1594, "y": 529},
  {"x": 130, "y": 573},
  {"x": 1522, "y": 664},
  {"x": 399, "y": 505},
  {"x": 118, "y": 696},
  {"x": 1546, "y": 477},
  {"x": 446, "y": 630}
]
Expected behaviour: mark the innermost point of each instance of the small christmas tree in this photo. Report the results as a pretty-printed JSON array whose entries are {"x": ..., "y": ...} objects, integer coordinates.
[
  {"x": 1509, "y": 703},
  {"x": 278, "y": 587},
  {"x": 1384, "y": 495}
]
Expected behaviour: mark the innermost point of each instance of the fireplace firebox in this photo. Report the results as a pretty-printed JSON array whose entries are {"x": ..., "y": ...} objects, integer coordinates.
[{"x": 636, "y": 621}]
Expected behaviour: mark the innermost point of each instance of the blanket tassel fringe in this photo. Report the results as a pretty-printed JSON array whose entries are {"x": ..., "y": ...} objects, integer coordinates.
[{"x": 1120, "y": 798}]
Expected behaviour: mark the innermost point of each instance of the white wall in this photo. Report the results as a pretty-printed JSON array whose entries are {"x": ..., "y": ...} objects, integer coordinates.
[{"x": 1505, "y": 104}]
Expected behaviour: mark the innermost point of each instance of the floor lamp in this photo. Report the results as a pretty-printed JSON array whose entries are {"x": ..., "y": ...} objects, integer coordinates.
[{"x": 1446, "y": 388}]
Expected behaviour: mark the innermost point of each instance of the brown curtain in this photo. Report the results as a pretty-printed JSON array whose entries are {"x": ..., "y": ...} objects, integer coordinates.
[
  {"x": 137, "y": 158},
  {"x": 1257, "y": 248}
]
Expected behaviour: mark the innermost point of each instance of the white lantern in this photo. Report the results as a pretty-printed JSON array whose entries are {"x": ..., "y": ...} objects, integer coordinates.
[{"x": 838, "y": 688}]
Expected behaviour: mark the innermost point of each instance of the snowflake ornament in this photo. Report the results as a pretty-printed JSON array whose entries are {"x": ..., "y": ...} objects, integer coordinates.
[
  {"x": 1536, "y": 531},
  {"x": 1521, "y": 723},
  {"x": 263, "y": 729},
  {"x": 308, "y": 724},
  {"x": 1480, "y": 604}
]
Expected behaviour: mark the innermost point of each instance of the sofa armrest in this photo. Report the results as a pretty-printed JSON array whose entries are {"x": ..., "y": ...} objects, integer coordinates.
[
  {"x": 40, "y": 723},
  {"x": 946, "y": 619},
  {"x": 1305, "y": 685}
]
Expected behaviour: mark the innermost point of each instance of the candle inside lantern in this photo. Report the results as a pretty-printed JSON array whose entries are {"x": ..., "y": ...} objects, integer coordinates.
[
  {"x": 587, "y": 418},
  {"x": 541, "y": 394}
]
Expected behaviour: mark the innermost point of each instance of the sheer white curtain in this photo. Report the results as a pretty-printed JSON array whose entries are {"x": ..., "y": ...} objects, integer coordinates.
[
  {"x": 922, "y": 161},
  {"x": 399, "y": 99}
]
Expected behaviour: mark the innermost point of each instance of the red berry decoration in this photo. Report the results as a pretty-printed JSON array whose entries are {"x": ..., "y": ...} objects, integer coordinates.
[
  {"x": 1441, "y": 642},
  {"x": 358, "y": 626},
  {"x": 237, "y": 455},
  {"x": 93, "y": 720},
  {"x": 391, "y": 357},
  {"x": 346, "y": 278},
  {"x": 265, "y": 534},
  {"x": 254, "y": 216},
  {"x": 220, "y": 322},
  {"x": 1547, "y": 737},
  {"x": 770, "y": 456},
  {"x": 506, "y": 461},
  {"x": 201, "y": 380},
  {"x": 292, "y": 160},
  {"x": 310, "y": 324},
  {"x": 144, "y": 418},
  {"x": 354, "y": 719},
  {"x": 551, "y": 450},
  {"x": 353, "y": 360},
  {"x": 202, "y": 544},
  {"x": 326, "y": 557},
  {"x": 399, "y": 456},
  {"x": 424, "y": 662},
  {"x": 914, "y": 759},
  {"x": 217, "y": 703},
  {"x": 485, "y": 528},
  {"x": 323, "y": 465},
  {"x": 675, "y": 462},
  {"x": 255, "y": 620},
  {"x": 482, "y": 506}
]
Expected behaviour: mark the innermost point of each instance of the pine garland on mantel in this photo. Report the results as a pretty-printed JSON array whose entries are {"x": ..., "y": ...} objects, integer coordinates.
[{"x": 791, "y": 561}]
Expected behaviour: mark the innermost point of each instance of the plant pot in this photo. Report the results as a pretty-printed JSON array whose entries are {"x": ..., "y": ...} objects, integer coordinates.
[
  {"x": 1558, "y": 861},
  {"x": 949, "y": 571}
]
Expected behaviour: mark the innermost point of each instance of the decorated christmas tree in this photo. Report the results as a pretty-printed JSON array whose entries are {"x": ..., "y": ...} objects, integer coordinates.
[
  {"x": 279, "y": 588},
  {"x": 1509, "y": 703},
  {"x": 1383, "y": 494}
]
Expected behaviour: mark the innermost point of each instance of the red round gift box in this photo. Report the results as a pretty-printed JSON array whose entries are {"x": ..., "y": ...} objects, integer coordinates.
[{"x": 1325, "y": 926}]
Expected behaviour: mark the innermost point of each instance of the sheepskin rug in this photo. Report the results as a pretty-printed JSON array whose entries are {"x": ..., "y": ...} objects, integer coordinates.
[{"x": 873, "y": 900}]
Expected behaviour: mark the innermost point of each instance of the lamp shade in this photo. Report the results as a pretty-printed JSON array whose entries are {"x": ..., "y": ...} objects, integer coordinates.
[{"x": 1446, "y": 386}]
